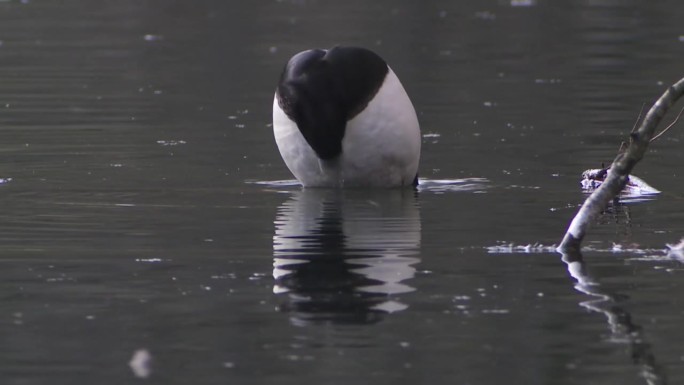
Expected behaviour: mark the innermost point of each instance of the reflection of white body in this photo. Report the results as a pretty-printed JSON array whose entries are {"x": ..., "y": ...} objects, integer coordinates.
[
  {"x": 380, "y": 238},
  {"x": 381, "y": 145}
]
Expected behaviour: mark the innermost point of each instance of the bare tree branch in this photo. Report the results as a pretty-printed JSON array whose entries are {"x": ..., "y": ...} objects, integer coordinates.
[{"x": 620, "y": 169}]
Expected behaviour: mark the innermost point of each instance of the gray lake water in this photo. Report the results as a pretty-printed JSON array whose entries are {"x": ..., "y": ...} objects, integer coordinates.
[{"x": 145, "y": 207}]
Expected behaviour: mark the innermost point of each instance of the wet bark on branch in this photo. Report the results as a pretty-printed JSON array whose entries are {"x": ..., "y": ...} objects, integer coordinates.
[{"x": 620, "y": 169}]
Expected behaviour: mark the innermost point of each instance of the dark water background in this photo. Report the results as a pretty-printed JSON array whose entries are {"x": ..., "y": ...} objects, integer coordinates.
[{"x": 139, "y": 208}]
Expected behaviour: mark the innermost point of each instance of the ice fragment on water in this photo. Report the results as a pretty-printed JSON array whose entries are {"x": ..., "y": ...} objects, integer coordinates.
[
  {"x": 141, "y": 363},
  {"x": 171, "y": 142},
  {"x": 150, "y": 37},
  {"x": 522, "y": 3}
]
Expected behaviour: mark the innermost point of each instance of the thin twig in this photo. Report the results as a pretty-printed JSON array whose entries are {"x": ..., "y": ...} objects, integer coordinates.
[
  {"x": 634, "y": 127},
  {"x": 668, "y": 127},
  {"x": 623, "y": 145},
  {"x": 641, "y": 111}
]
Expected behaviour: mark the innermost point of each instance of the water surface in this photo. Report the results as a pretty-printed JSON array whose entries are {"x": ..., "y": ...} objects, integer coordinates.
[{"x": 142, "y": 208}]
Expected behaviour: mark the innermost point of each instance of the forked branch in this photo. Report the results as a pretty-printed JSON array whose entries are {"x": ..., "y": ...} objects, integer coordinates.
[{"x": 620, "y": 169}]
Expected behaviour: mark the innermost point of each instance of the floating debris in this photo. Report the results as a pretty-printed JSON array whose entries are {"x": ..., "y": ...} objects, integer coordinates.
[
  {"x": 141, "y": 363},
  {"x": 150, "y": 37},
  {"x": 635, "y": 188},
  {"x": 676, "y": 251},
  {"x": 523, "y": 3},
  {"x": 149, "y": 260},
  {"x": 547, "y": 81},
  {"x": 615, "y": 248},
  {"x": 440, "y": 186},
  {"x": 485, "y": 15},
  {"x": 509, "y": 248},
  {"x": 171, "y": 142}
]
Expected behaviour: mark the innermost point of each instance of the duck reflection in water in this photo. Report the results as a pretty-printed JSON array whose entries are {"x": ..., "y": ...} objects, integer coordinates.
[{"x": 345, "y": 256}]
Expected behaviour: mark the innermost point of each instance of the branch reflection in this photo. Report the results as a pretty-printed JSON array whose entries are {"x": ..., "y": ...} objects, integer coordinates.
[
  {"x": 623, "y": 329},
  {"x": 345, "y": 256}
]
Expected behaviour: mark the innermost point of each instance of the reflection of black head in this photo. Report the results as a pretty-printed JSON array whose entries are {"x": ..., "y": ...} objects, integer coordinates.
[{"x": 319, "y": 262}]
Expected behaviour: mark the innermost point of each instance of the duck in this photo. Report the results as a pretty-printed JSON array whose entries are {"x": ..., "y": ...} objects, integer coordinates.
[{"x": 341, "y": 118}]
